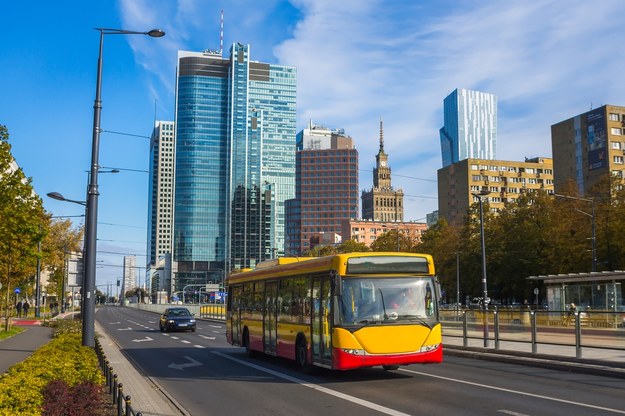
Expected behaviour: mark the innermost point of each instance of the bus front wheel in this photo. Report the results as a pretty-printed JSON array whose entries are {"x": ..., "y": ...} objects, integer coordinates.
[
  {"x": 246, "y": 343},
  {"x": 301, "y": 355}
]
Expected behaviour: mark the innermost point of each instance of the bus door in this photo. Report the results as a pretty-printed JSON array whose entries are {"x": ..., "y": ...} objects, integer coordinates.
[
  {"x": 235, "y": 315},
  {"x": 321, "y": 341},
  {"x": 270, "y": 327}
]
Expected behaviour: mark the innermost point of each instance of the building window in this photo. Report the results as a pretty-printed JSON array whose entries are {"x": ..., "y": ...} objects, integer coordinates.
[
  {"x": 618, "y": 160},
  {"x": 616, "y": 145},
  {"x": 614, "y": 117},
  {"x": 616, "y": 131}
]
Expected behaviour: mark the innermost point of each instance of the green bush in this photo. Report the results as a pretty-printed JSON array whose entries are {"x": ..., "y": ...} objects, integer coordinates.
[{"x": 63, "y": 358}]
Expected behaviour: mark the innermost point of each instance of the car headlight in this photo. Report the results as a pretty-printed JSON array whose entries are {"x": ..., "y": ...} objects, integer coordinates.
[
  {"x": 192, "y": 321},
  {"x": 171, "y": 321}
]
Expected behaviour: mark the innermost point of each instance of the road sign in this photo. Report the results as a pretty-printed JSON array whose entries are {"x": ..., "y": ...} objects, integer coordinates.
[{"x": 17, "y": 290}]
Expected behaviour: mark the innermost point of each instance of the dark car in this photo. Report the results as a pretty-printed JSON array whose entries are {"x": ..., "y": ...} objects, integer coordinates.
[{"x": 176, "y": 319}]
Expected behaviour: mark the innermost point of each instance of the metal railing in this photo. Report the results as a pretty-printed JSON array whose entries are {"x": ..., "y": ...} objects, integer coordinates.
[
  {"x": 123, "y": 404},
  {"x": 581, "y": 329}
]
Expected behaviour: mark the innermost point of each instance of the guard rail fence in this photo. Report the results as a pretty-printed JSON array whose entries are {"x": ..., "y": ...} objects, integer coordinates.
[{"x": 123, "y": 404}]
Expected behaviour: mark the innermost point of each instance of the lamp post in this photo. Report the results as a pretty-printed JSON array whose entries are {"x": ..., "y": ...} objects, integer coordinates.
[
  {"x": 592, "y": 218},
  {"x": 480, "y": 195},
  {"x": 88, "y": 331}
]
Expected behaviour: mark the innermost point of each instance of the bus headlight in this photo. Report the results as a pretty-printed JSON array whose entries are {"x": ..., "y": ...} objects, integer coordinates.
[
  {"x": 429, "y": 348},
  {"x": 353, "y": 351}
]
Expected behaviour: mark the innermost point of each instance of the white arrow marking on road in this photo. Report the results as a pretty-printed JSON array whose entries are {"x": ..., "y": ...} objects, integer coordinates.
[
  {"x": 192, "y": 363},
  {"x": 144, "y": 339}
]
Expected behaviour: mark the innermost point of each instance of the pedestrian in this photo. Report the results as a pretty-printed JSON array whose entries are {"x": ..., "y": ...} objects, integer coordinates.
[
  {"x": 570, "y": 313},
  {"x": 25, "y": 307},
  {"x": 18, "y": 306}
]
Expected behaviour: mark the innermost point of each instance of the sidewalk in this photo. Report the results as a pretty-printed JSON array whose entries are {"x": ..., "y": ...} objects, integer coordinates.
[
  {"x": 146, "y": 396},
  {"x": 598, "y": 361}
]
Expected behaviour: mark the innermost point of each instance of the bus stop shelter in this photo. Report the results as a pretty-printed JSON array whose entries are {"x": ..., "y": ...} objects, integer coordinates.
[{"x": 598, "y": 291}]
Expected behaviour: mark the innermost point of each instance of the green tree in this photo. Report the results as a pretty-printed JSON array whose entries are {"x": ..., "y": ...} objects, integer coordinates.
[
  {"x": 22, "y": 224},
  {"x": 61, "y": 240},
  {"x": 352, "y": 246},
  {"x": 393, "y": 240}
]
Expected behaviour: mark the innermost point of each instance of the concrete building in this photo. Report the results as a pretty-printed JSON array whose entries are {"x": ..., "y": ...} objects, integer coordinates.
[
  {"x": 382, "y": 202},
  {"x": 326, "y": 187},
  {"x": 129, "y": 280},
  {"x": 367, "y": 231},
  {"x": 505, "y": 180},
  {"x": 589, "y": 147},
  {"x": 160, "y": 203},
  {"x": 470, "y": 126}
]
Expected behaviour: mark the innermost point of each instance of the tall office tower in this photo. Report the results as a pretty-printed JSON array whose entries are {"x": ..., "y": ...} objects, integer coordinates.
[
  {"x": 588, "y": 147},
  {"x": 326, "y": 186},
  {"x": 235, "y": 162},
  {"x": 160, "y": 202},
  {"x": 470, "y": 126},
  {"x": 382, "y": 202},
  {"x": 129, "y": 275}
]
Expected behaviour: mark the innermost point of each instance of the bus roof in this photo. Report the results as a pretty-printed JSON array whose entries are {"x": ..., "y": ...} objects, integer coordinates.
[{"x": 285, "y": 266}]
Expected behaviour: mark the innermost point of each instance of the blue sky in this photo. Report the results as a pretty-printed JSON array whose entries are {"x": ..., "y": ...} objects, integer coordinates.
[{"x": 357, "y": 61}]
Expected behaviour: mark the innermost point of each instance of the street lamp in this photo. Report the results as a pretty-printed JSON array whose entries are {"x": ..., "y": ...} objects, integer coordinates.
[
  {"x": 480, "y": 195},
  {"x": 592, "y": 217},
  {"x": 88, "y": 330}
]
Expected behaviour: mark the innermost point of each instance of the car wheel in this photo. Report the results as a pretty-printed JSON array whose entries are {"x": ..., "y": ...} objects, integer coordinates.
[{"x": 192, "y": 329}]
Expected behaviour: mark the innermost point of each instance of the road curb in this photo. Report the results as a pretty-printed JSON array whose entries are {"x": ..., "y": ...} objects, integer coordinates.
[{"x": 585, "y": 366}]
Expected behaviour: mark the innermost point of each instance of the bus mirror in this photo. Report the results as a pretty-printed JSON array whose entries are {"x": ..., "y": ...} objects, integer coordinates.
[{"x": 337, "y": 283}]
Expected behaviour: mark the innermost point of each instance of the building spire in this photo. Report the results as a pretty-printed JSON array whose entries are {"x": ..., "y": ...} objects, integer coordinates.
[{"x": 381, "y": 136}]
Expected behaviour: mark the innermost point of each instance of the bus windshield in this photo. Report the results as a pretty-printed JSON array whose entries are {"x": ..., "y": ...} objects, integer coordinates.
[{"x": 387, "y": 300}]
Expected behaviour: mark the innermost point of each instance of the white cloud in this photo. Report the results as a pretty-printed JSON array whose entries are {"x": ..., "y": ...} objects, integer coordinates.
[{"x": 358, "y": 60}]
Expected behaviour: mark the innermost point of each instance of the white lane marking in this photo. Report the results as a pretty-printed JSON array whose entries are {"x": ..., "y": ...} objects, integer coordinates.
[
  {"x": 215, "y": 326},
  {"x": 216, "y": 332},
  {"x": 521, "y": 393},
  {"x": 174, "y": 337},
  {"x": 124, "y": 329},
  {"x": 143, "y": 339},
  {"x": 191, "y": 363},
  {"x": 184, "y": 341},
  {"x": 199, "y": 346},
  {"x": 510, "y": 412},
  {"x": 205, "y": 337},
  {"x": 356, "y": 400}
]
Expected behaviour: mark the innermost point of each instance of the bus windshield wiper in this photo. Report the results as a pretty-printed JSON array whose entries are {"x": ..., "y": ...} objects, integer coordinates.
[{"x": 416, "y": 318}]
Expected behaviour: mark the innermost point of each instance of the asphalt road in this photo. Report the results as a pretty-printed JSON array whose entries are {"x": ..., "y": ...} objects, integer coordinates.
[{"x": 207, "y": 376}]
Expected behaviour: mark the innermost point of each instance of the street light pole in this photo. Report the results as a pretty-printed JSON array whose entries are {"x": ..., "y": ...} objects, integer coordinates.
[
  {"x": 88, "y": 318},
  {"x": 592, "y": 219},
  {"x": 479, "y": 195}
]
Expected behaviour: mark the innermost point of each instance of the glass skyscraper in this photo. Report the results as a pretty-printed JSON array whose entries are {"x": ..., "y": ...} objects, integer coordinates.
[
  {"x": 470, "y": 126},
  {"x": 235, "y": 162}
]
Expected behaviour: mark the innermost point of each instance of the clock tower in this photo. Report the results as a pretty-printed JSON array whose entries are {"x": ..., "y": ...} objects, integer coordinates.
[{"x": 382, "y": 203}]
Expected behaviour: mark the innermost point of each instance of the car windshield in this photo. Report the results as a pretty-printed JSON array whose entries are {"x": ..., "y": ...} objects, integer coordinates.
[
  {"x": 178, "y": 312},
  {"x": 386, "y": 300}
]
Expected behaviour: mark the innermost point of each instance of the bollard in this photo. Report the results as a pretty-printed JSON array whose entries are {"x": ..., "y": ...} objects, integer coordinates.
[
  {"x": 120, "y": 399},
  {"x": 533, "y": 322},
  {"x": 578, "y": 336},
  {"x": 128, "y": 406},
  {"x": 464, "y": 329},
  {"x": 114, "y": 389},
  {"x": 496, "y": 329}
]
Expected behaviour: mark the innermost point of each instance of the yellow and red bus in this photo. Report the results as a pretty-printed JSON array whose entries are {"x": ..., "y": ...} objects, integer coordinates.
[{"x": 339, "y": 312}]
